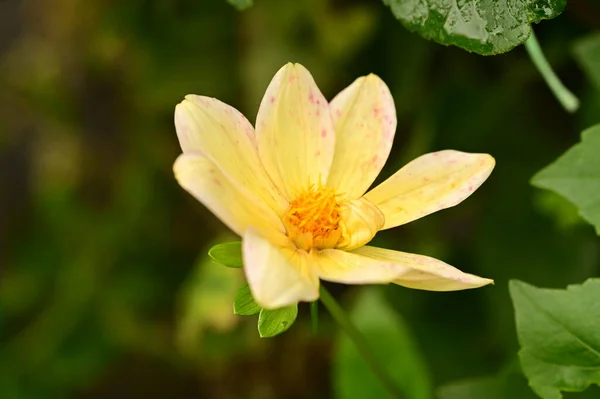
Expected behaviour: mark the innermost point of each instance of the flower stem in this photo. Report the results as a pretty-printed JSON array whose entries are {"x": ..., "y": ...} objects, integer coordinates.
[
  {"x": 562, "y": 94},
  {"x": 359, "y": 340},
  {"x": 314, "y": 316}
]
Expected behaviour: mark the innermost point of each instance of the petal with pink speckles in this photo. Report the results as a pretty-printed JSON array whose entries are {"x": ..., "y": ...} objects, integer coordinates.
[
  {"x": 223, "y": 135},
  {"x": 294, "y": 131},
  {"x": 237, "y": 207},
  {"x": 371, "y": 265},
  {"x": 364, "y": 119},
  {"x": 430, "y": 183}
]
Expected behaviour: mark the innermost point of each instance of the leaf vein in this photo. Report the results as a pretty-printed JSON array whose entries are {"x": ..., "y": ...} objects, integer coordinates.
[
  {"x": 553, "y": 363},
  {"x": 591, "y": 348}
]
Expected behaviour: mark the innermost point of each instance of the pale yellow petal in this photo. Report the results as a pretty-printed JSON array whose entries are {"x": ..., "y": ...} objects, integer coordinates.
[
  {"x": 422, "y": 272},
  {"x": 238, "y": 208},
  {"x": 223, "y": 135},
  {"x": 371, "y": 265},
  {"x": 277, "y": 275},
  {"x": 431, "y": 182},
  {"x": 294, "y": 131},
  {"x": 364, "y": 118},
  {"x": 347, "y": 268},
  {"x": 360, "y": 221}
]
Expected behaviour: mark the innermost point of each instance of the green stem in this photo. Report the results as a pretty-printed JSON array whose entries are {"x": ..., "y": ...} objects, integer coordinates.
[
  {"x": 562, "y": 94},
  {"x": 314, "y": 316},
  {"x": 360, "y": 342}
]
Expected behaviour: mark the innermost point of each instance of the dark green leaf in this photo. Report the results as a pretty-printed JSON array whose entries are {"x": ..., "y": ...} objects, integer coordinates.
[
  {"x": 274, "y": 322},
  {"x": 392, "y": 345},
  {"x": 241, "y": 5},
  {"x": 228, "y": 254},
  {"x": 587, "y": 52},
  {"x": 576, "y": 176},
  {"x": 484, "y": 27},
  {"x": 559, "y": 333},
  {"x": 244, "y": 303}
]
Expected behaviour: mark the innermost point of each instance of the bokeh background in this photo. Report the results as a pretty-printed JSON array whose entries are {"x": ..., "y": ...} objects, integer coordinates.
[{"x": 105, "y": 289}]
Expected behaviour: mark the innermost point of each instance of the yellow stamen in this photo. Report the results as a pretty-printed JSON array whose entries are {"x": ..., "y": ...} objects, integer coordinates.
[{"x": 313, "y": 218}]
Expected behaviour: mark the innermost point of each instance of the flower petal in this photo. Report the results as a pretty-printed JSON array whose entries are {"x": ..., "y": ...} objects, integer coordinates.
[
  {"x": 361, "y": 220},
  {"x": 348, "y": 268},
  {"x": 369, "y": 265},
  {"x": 364, "y": 118},
  {"x": 278, "y": 275},
  {"x": 430, "y": 183},
  {"x": 223, "y": 135},
  {"x": 294, "y": 131},
  {"x": 236, "y": 207}
]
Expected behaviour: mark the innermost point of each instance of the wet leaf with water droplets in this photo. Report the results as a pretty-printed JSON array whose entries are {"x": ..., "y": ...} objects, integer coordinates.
[
  {"x": 274, "y": 322},
  {"x": 483, "y": 27}
]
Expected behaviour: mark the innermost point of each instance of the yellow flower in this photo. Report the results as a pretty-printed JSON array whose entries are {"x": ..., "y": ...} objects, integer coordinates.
[{"x": 294, "y": 187}]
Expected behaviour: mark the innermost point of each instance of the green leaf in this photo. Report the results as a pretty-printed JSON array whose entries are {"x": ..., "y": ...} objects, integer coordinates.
[
  {"x": 483, "y": 27},
  {"x": 241, "y": 5},
  {"x": 587, "y": 53},
  {"x": 576, "y": 176},
  {"x": 559, "y": 333},
  {"x": 244, "y": 303},
  {"x": 274, "y": 322},
  {"x": 228, "y": 254},
  {"x": 391, "y": 344}
]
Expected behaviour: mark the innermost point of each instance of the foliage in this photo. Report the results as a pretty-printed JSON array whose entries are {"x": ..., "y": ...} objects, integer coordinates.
[
  {"x": 105, "y": 288},
  {"x": 244, "y": 304},
  {"x": 228, "y": 254},
  {"x": 559, "y": 333},
  {"x": 274, "y": 322},
  {"x": 576, "y": 176},
  {"x": 484, "y": 27}
]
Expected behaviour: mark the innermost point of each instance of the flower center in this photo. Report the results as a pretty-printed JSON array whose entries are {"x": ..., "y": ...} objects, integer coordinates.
[{"x": 313, "y": 219}]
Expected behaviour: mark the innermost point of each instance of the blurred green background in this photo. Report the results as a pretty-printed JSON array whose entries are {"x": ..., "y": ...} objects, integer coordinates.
[{"x": 105, "y": 291}]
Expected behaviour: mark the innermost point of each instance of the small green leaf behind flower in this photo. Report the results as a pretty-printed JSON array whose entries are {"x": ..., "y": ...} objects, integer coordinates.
[
  {"x": 271, "y": 322},
  {"x": 559, "y": 333},
  {"x": 274, "y": 322},
  {"x": 244, "y": 304},
  {"x": 228, "y": 254},
  {"x": 575, "y": 175}
]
